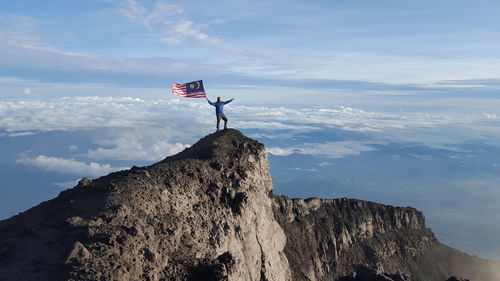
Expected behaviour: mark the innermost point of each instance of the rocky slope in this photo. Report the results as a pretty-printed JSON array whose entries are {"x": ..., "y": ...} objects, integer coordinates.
[
  {"x": 208, "y": 213},
  {"x": 347, "y": 239}
]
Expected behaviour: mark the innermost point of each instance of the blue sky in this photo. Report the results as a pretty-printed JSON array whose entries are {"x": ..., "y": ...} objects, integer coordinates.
[
  {"x": 395, "y": 47},
  {"x": 392, "y": 101}
]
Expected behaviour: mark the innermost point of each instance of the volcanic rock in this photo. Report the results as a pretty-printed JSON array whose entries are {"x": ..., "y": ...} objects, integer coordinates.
[{"x": 208, "y": 213}]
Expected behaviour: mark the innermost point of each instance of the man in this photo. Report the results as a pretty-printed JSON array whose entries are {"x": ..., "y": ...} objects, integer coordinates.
[{"x": 219, "y": 111}]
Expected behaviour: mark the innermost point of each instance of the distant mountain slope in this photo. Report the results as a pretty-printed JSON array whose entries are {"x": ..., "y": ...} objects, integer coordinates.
[
  {"x": 328, "y": 239},
  {"x": 208, "y": 213}
]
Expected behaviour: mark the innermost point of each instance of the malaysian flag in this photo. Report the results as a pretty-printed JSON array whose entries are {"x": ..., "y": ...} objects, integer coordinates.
[{"x": 189, "y": 90}]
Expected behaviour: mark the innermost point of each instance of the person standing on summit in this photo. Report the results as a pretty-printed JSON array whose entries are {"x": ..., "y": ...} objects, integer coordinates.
[{"x": 219, "y": 111}]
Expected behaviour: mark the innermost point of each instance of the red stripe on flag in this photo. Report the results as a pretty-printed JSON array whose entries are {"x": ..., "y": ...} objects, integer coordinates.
[{"x": 192, "y": 95}]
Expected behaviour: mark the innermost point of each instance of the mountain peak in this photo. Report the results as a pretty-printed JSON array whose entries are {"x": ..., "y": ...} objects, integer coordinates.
[
  {"x": 219, "y": 146},
  {"x": 208, "y": 213}
]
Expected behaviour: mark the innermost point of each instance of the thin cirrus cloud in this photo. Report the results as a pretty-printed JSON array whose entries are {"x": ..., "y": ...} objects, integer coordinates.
[
  {"x": 171, "y": 25},
  {"x": 166, "y": 22},
  {"x": 47, "y": 64},
  {"x": 27, "y": 52}
]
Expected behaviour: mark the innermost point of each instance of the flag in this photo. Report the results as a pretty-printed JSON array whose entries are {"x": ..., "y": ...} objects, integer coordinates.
[{"x": 189, "y": 90}]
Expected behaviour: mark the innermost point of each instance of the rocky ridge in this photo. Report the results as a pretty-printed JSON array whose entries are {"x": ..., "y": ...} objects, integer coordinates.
[{"x": 208, "y": 213}]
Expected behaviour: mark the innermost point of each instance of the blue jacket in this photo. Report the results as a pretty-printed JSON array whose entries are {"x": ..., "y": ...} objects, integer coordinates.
[{"x": 219, "y": 106}]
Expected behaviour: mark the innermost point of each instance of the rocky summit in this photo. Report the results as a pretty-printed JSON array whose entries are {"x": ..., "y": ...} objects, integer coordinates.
[{"x": 208, "y": 213}]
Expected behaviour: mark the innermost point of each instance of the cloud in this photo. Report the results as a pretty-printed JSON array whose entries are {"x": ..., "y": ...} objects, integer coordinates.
[
  {"x": 106, "y": 112},
  {"x": 271, "y": 125},
  {"x": 75, "y": 114},
  {"x": 424, "y": 157},
  {"x": 48, "y": 64},
  {"x": 66, "y": 184},
  {"x": 20, "y": 134},
  {"x": 278, "y": 151},
  {"x": 345, "y": 118},
  {"x": 490, "y": 116},
  {"x": 137, "y": 144},
  {"x": 166, "y": 21},
  {"x": 228, "y": 51},
  {"x": 129, "y": 128},
  {"x": 394, "y": 69},
  {"x": 73, "y": 147},
  {"x": 171, "y": 25},
  {"x": 471, "y": 83},
  {"x": 136, "y": 129},
  {"x": 17, "y": 29},
  {"x": 328, "y": 149},
  {"x": 303, "y": 169},
  {"x": 27, "y": 52},
  {"x": 68, "y": 166}
]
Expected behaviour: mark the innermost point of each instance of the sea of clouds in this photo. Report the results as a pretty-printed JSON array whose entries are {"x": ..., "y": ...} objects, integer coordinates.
[{"x": 442, "y": 163}]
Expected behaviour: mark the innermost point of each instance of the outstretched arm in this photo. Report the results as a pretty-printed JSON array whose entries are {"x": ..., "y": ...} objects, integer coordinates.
[
  {"x": 228, "y": 101},
  {"x": 209, "y": 102}
]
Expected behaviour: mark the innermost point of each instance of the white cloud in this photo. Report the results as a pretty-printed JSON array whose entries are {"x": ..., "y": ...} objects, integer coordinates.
[
  {"x": 271, "y": 125},
  {"x": 21, "y": 134},
  {"x": 423, "y": 157},
  {"x": 27, "y": 91},
  {"x": 345, "y": 118},
  {"x": 73, "y": 147},
  {"x": 396, "y": 69},
  {"x": 73, "y": 114},
  {"x": 36, "y": 61},
  {"x": 490, "y": 116},
  {"x": 24, "y": 52},
  {"x": 130, "y": 128},
  {"x": 66, "y": 184},
  {"x": 16, "y": 29},
  {"x": 68, "y": 166},
  {"x": 168, "y": 22},
  {"x": 148, "y": 130},
  {"x": 171, "y": 25},
  {"x": 102, "y": 112},
  {"x": 311, "y": 170},
  {"x": 278, "y": 151},
  {"x": 185, "y": 118},
  {"x": 337, "y": 149},
  {"x": 165, "y": 20},
  {"x": 137, "y": 144}
]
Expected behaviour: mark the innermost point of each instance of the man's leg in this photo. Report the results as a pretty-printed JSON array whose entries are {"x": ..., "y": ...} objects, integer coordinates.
[
  {"x": 218, "y": 121},
  {"x": 225, "y": 121}
]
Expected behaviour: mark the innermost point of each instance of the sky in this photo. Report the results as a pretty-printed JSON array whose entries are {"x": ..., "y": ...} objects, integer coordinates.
[{"x": 396, "y": 102}]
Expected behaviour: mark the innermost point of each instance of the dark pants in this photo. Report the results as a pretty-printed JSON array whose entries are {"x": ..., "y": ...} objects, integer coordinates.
[{"x": 223, "y": 117}]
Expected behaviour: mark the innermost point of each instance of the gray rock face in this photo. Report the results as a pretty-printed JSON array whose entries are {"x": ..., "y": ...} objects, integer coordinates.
[
  {"x": 347, "y": 239},
  {"x": 208, "y": 213},
  {"x": 453, "y": 278}
]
